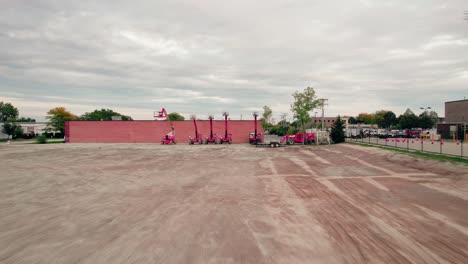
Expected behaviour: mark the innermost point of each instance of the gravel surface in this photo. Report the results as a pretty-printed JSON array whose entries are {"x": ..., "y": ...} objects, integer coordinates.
[{"x": 147, "y": 203}]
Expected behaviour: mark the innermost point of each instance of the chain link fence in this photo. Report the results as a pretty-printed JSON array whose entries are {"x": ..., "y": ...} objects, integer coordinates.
[{"x": 447, "y": 147}]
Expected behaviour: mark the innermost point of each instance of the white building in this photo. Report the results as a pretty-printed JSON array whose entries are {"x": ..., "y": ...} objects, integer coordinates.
[{"x": 29, "y": 128}]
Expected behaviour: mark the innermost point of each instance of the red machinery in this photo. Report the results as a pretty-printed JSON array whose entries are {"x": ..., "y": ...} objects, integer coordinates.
[
  {"x": 255, "y": 138},
  {"x": 307, "y": 138},
  {"x": 213, "y": 138},
  {"x": 227, "y": 137},
  {"x": 161, "y": 115},
  {"x": 198, "y": 137},
  {"x": 169, "y": 138}
]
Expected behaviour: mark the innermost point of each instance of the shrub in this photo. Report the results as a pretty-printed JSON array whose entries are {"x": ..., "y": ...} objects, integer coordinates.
[{"x": 42, "y": 139}]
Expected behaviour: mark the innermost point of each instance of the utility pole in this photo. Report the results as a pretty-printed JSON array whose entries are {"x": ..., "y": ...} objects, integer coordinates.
[
  {"x": 322, "y": 104},
  {"x": 315, "y": 120},
  {"x": 283, "y": 119}
]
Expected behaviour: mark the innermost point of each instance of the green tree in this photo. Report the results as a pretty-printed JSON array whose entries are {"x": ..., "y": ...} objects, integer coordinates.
[
  {"x": 337, "y": 133},
  {"x": 303, "y": 104},
  {"x": 390, "y": 119},
  {"x": 366, "y": 118},
  {"x": 266, "y": 117},
  {"x": 175, "y": 117},
  {"x": 12, "y": 129},
  {"x": 7, "y": 111},
  {"x": 426, "y": 120},
  {"x": 57, "y": 117},
  {"x": 385, "y": 118},
  {"x": 352, "y": 120},
  {"x": 408, "y": 120},
  {"x": 25, "y": 120},
  {"x": 103, "y": 115}
]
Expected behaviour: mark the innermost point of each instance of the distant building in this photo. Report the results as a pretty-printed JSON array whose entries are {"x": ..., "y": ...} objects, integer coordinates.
[
  {"x": 456, "y": 111},
  {"x": 29, "y": 128},
  {"x": 456, "y": 120},
  {"x": 328, "y": 121}
]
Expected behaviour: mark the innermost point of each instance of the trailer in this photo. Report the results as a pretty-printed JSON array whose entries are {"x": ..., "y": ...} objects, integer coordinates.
[{"x": 272, "y": 141}]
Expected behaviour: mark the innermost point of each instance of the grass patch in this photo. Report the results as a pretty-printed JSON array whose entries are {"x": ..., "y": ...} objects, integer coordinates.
[{"x": 416, "y": 153}]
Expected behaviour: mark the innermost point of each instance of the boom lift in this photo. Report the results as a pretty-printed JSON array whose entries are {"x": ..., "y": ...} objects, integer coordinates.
[
  {"x": 161, "y": 115},
  {"x": 255, "y": 138},
  {"x": 227, "y": 137},
  {"x": 213, "y": 138},
  {"x": 169, "y": 138},
  {"x": 198, "y": 137}
]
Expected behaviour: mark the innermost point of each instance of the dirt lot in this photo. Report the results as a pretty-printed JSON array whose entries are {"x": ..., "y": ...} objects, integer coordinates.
[{"x": 132, "y": 203}]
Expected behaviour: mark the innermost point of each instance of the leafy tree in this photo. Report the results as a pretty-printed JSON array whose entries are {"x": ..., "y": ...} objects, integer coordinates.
[
  {"x": 103, "y": 115},
  {"x": 12, "y": 129},
  {"x": 304, "y": 103},
  {"x": 435, "y": 118},
  {"x": 366, "y": 118},
  {"x": 18, "y": 131},
  {"x": 385, "y": 118},
  {"x": 390, "y": 119},
  {"x": 408, "y": 120},
  {"x": 352, "y": 120},
  {"x": 25, "y": 120},
  {"x": 7, "y": 111},
  {"x": 266, "y": 117},
  {"x": 175, "y": 117},
  {"x": 337, "y": 133},
  {"x": 426, "y": 120},
  {"x": 57, "y": 117}
]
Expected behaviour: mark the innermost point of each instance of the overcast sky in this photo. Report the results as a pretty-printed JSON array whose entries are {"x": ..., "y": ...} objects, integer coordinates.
[{"x": 206, "y": 57}]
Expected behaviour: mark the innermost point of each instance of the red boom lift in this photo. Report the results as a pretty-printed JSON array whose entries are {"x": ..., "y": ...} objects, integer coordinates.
[
  {"x": 255, "y": 138},
  {"x": 169, "y": 138},
  {"x": 227, "y": 137},
  {"x": 198, "y": 137},
  {"x": 213, "y": 138}
]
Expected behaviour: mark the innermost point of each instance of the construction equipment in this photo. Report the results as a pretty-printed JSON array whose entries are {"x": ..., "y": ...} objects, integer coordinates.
[
  {"x": 306, "y": 138},
  {"x": 213, "y": 138},
  {"x": 227, "y": 137},
  {"x": 161, "y": 115},
  {"x": 272, "y": 141},
  {"x": 169, "y": 138},
  {"x": 255, "y": 138},
  {"x": 198, "y": 137}
]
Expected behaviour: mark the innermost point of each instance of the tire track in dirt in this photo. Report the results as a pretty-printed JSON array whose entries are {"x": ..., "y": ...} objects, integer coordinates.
[
  {"x": 356, "y": 235},
  {"x": 315, "y": 156},
  {"x": 284, "y": 226},
  {"x": 415, "y": 193},
  {"x": 392, "y": 212},
  {"x": 287, "y": 166}
]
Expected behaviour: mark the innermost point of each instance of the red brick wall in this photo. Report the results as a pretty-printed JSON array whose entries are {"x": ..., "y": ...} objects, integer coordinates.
[{"x": 151, "y": 131}]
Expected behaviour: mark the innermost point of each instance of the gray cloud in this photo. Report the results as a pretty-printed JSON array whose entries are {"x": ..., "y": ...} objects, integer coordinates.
[{"x": 209, "y": 56}]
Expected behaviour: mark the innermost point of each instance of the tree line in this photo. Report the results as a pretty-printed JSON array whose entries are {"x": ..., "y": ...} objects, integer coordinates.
[
  {"x": 388, "y": 119},
  {"x": 56, "y": 118}
]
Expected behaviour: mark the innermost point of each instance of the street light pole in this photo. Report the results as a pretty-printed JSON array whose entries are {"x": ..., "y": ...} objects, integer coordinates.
[{"x": 315, "y": 120}]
